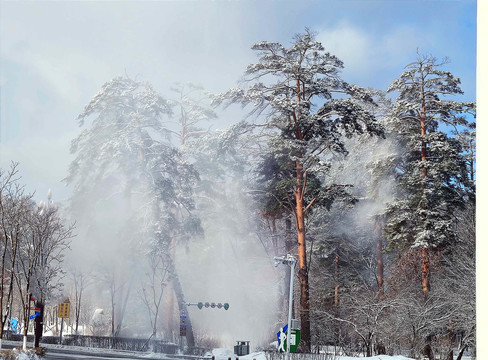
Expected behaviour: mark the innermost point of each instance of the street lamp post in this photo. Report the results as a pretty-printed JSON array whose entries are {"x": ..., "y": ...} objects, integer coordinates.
[{"x": 290, "y": 261}]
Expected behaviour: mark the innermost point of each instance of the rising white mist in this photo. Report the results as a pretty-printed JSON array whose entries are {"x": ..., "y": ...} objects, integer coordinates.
[
  {"x": 228, "y": 264},
  {"x": 231, "y": 265}
]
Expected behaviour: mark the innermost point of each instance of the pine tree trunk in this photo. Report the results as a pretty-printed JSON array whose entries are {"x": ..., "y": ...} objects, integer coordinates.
[
  {"x": 299, "y": 192},
  {"x": 180, "y": 298},
  {"x": 170, "y": 312},
  {"x": 425, "y": 271},
  {"x": 425, "y": 254},
  {"x": 303, "y": 271},
  {"x": 379, "y": 260},
  {"x": 170, "y": 305}
]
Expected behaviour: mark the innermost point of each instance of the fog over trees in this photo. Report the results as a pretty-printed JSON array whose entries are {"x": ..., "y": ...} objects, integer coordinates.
[{"x": 373, "y": 191}]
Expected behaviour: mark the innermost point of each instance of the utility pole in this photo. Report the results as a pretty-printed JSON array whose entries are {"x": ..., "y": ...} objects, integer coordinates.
[{"x": 290, "y": 261}]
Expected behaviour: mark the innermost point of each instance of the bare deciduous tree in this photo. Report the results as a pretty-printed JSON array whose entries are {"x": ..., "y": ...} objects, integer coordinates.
[
  {"x": 40, "y": 256},
  {"x": 14, "y": 204}
]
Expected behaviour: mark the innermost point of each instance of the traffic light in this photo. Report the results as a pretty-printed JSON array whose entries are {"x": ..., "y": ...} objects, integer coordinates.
[{"x": 201, "y": 305}]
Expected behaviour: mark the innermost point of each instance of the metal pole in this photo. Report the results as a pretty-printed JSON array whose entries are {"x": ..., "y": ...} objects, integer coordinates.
[
  {"x": 61, "y": 333},
  {"x": 291, "y": 262}
]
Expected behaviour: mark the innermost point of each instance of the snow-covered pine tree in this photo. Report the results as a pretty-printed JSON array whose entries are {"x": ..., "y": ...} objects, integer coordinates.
[
  {"x": 190, "y": 105},
  {"x": 431, "y": 171},
  {"x": 295, "y": 89},
  {"x": 126, "y": 152}
]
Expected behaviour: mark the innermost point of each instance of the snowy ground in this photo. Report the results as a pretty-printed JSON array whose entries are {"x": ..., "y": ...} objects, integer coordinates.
[{"x": 218, "y": 354}]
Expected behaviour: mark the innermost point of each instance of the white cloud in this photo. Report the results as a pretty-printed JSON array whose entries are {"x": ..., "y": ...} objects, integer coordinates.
[
  {"x": 367, "y": 54},
  {"x": 349, "y": 43}
]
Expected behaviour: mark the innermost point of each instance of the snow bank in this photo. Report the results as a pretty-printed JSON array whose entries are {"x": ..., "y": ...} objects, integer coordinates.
[
  {"x": 225, "y": 354},
  {"x": 254, "y": 356},
  {"x": 377, "y": 357},
  {"x": 30, "y": 355},
  {"x": 222, "y": 354}
]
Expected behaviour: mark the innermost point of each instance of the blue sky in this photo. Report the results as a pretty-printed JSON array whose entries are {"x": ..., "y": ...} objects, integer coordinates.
[{"x": 54, "y": 56}]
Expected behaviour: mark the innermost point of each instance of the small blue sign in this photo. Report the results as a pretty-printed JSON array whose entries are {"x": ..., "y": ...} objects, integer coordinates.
[
  {"x": 34, "y": 316},
  {"x": 14, "y": 324}
]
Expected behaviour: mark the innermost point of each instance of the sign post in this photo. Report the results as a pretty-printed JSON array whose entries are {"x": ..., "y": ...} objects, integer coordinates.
[
  {"x": 39, "y": 322},
  {"x": 63, "y": 313},
  {"x": 183, "y": 315},
  {"x": 290, "y": 261}
]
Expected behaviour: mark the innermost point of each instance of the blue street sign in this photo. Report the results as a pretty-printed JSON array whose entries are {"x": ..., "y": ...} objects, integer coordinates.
[{"x": 34, "y": 316}]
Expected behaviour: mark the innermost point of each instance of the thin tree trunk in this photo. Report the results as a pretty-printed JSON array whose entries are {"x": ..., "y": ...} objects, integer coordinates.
[
  {"x": 26, "y": 321},
  {"x": 78, "y": 293},
  {"x": 428, "y": 348},
  {"x": 3, "y": 318},
  {"x": 274, "y": 238},
  {"x": 452, "y": 341},
  {"x": 113, "y": 306},
  {"x": 6, "y": 296},
  {"x": 460, "y": 355},
  {"x": 369, "y": 346},
  {"x": 336, "y": 275},
  {"x": 124, "y": 306}
]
